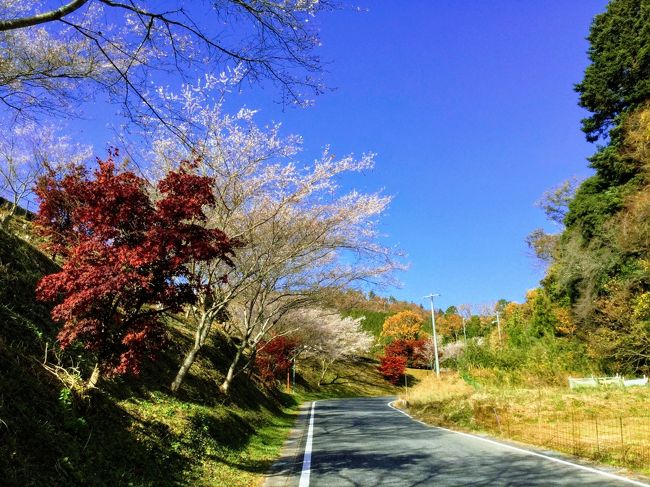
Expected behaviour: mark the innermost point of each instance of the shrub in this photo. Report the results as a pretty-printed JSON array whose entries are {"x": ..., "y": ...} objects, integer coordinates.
[
  {"x": 392, "y": 367},
  {"x": 411, "y": 350},
  {"x": 273, "y": 359}
]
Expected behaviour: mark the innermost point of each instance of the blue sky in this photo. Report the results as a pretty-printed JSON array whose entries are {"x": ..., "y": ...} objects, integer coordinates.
[{"x": 470, "y": 108}]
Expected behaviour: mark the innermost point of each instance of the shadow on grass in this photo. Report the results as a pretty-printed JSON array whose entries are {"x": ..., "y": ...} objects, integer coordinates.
[
  {"x": 130, "y": 432},
  {"x": 52, "y": 438}
]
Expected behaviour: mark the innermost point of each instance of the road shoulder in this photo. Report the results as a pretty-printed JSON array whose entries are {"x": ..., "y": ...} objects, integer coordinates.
[{"x": 286, "y": 470}]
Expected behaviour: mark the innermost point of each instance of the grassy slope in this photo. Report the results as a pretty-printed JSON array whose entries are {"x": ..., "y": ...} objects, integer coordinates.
[
  {"x": 554, "y": 417},
  {"x": 132, "y": 431}
]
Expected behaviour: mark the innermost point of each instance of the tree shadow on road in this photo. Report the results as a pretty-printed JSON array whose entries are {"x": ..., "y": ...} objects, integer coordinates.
[{"x": 346, "y": 467}]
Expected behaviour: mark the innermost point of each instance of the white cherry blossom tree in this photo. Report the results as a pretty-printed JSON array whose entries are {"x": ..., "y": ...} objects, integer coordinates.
[
  {"x": 300, "y": 233},
  {"x": 27, "y": 151},
  {"x": 327, "y": 338}
]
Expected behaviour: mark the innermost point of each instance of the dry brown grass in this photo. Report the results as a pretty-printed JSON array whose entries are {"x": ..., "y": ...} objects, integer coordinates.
[
  {"x": 611, "y": 425},
  {"x": 433, "y": 389}
]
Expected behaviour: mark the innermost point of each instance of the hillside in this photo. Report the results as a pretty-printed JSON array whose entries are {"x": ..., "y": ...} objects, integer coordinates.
[
  {"x": 374, "y": 309},
  {"x": 133, "y": 431},
  {"x": 598, "y": 265}
]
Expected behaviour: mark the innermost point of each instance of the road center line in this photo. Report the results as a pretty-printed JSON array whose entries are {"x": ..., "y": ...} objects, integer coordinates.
[
  {"x": 528, "y": 452},
  {"x": 306, "y": 461}
]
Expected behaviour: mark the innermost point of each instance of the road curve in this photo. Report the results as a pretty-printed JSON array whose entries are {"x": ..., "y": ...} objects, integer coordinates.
[{"x": 364, "y": 442}]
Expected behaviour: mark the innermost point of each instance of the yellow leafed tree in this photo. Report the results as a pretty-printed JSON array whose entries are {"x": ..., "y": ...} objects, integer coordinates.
[{"x": 404, "y": 325}]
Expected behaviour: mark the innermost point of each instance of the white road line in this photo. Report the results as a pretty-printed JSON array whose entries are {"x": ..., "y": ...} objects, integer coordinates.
[
  {"x": 306, "y": 461},
  {"x": 528, "y": 452}
]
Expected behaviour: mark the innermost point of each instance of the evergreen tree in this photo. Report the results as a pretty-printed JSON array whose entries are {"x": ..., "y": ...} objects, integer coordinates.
[{"x": 618, "y": 77}]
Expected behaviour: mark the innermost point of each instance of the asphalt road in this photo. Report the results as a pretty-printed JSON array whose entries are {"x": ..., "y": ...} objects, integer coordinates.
[{"x": 364, "y": 442}]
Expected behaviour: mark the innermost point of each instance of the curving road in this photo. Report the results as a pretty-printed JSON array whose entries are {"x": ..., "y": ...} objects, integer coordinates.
[{"x": 364, "y": 442}]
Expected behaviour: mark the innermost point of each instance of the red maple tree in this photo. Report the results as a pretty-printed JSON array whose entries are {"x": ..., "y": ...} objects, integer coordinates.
[
  {"x": 392, "y": 367},
  {"x": 126, "y": 256},
  {"x": 409, "y": 349},
  {"x": 273, "y": 358}
]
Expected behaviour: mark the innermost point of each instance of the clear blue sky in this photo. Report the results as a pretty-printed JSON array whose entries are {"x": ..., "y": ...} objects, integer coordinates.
[{"x": 471, "y": 110}]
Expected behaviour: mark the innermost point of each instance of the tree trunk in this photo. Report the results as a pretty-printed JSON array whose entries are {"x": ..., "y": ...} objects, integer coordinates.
[
  {"x": 251, "y": 364},
  {"x": 8, "y": 217},
  {"x": 323, "y": 369},
  {"x": 199, "y": 340},
  {"x": 185, "y": 367},
  {"x": 225, "y": 386},
  {"x": 94, "y": 377}
]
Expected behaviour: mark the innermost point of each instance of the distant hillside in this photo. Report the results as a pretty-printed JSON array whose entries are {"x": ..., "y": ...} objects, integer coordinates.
[
  {"x": 375, "y": 309},
  {"x": 373, "y": 321},
  {"x": 347, "y": 300}
]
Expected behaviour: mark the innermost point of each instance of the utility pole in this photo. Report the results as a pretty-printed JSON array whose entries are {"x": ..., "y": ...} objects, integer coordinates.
[
  {"x": 435, "y": 337},
  {"x": 498, "y": 322},
  {"x": 464, "y": 332}
]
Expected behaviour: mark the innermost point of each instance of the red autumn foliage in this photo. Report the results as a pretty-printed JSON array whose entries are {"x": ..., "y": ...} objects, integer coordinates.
[
  {"x": 409, "y": 349},
  {"x": 273, "y": 359},
  {"x": 392, "y": 367},
  {"x": 126, "y": 256}
]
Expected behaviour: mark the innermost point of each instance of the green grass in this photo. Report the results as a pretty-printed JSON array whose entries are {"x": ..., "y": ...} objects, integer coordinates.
[
  {"x": 133, "y": 431},
  {"x": 222, "y": 445}
]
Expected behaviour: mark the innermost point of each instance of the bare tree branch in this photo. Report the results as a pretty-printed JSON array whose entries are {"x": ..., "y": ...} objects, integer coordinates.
[
  {"x": 57, "y": 60},
  {"x": 43, "y": 18}
]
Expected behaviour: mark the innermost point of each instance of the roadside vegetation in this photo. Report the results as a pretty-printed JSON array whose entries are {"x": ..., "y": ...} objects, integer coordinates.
[
  {"x": 134, "y": 430},
  {"x": 608, "y": 424}
]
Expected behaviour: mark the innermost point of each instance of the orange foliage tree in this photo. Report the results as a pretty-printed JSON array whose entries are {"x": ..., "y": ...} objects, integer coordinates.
[
  {"x": 404, "y": 325},
  {"x": 450, "y": 325}
]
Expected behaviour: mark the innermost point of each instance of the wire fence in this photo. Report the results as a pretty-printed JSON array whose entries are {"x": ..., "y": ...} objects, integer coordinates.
[{"x": 624, "y": 440}]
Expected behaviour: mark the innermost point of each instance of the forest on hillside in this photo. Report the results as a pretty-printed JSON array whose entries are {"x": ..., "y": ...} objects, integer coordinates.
[{"x": 598, "y": 274}]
